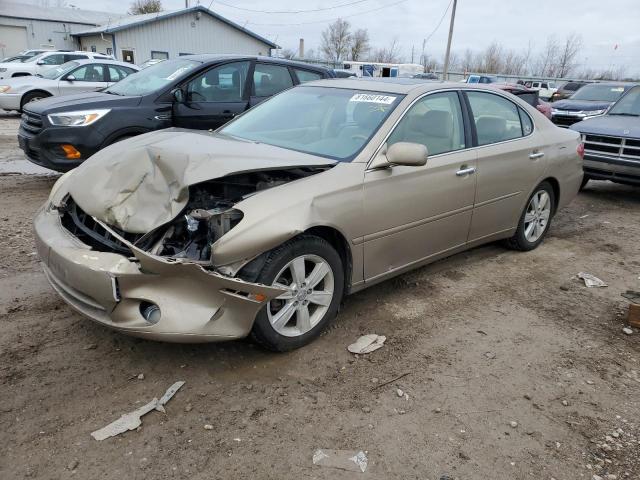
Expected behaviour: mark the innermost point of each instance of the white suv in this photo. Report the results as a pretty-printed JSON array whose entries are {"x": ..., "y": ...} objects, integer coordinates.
[
  {"x": 46, "y": 60},
  {"x": 545, "y": 89}
]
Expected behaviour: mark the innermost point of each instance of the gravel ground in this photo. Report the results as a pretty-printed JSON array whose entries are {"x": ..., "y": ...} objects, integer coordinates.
[{"x": 514, "y": 369}]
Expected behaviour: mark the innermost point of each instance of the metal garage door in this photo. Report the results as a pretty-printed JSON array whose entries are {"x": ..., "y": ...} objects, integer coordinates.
[{"x": 12, "y": 40}]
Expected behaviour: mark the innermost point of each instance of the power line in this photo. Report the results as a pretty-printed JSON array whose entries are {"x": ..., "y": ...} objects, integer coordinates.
[
  {"x": 289, "y": 11},
  {"x": 327, "y": 19},
  {"x": 439, "y": 23}
]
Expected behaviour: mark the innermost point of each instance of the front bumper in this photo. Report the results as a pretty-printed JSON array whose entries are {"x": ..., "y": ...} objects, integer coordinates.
[
  {"x": 10, "y": 101},
  {"x": 610, "y": 167},
  {"x": 196, "y": 305}
]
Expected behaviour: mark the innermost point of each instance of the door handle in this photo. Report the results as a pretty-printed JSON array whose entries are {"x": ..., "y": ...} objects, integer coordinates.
[
  {"x": 464, "y": 170},
  {"x": 536, "y": 155}
]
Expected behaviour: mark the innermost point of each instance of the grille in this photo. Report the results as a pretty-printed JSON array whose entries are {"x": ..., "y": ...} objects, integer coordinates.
[
  {"x": 624, "y": 148},
  {"x": 31, "y": 122},
  {"x": 565, "y": 120},
  {"x": 91, "y": 233}
]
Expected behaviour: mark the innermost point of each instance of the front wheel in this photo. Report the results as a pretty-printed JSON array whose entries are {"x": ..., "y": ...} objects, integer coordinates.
[
  {"x": 32, "y": 97},
  {"x": 311, "y": 272},
  {"x": 535, "y": 219}
]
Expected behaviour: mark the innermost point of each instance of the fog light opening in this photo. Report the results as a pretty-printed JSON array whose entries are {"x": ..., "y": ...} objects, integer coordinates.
[
  {"x": 150, "y": 312},
  {"x": 70, "y": 151}
]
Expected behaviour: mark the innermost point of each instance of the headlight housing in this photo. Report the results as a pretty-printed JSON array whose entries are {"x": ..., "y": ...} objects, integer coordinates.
[
  {"x": 4, "y": 88},
  {"x": 77, "y": 119}
]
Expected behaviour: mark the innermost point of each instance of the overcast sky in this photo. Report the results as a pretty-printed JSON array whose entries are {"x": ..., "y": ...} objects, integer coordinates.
[{"x": 512, "y": 23}]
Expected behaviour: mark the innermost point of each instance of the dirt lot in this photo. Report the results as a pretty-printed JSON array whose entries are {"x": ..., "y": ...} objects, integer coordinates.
[{"x": 486, "y": 338}]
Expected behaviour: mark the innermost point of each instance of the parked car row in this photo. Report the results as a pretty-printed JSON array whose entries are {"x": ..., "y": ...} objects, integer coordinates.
[{"x": 40, "y": 62}]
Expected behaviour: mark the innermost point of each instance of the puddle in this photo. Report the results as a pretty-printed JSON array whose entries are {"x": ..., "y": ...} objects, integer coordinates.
[{"x": 23, "y": 167}]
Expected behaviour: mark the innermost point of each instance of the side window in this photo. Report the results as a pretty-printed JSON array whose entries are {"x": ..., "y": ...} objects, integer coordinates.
[
  {"x": 68, "y": 57},
  {"x": 219, "y": 84},
  {"x": 57, "y": 59},
  {"x": 496, "y": 118},
  {"x": 270, "y": 79},
  {"x": 434, "y": 121},
  {"x": 527, "y": 124},
  {"x": 89, "y": 73},
  {"x": 307, "y": 76},
  {"x": 117, "y": 73}
]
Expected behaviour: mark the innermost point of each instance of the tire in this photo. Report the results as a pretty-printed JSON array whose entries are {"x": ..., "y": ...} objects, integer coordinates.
[
  {"x": 292, "y": 328},
  {"x": 32, "y": 97},
  {"x": 585, "y": 180},
  {"x": 525, "y": 238}
]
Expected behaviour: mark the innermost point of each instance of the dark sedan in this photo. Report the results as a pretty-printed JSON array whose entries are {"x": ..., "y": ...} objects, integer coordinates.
[
  {"x": 612, "y": 142},
  {"x": 589, "y": 101},
  {"x": 566, "y": 90},
  {"x": 193, "y": 91}
]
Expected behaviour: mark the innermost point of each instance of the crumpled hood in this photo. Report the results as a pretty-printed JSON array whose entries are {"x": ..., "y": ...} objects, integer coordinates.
[
  {"x": 580, "y": 105},
  {"x": 141, "y": 183}
]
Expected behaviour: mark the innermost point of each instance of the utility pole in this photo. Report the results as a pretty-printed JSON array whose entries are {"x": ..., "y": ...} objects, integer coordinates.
[
  {"x": 445, "y": 70},
  {"x": 423, "y": 60}
]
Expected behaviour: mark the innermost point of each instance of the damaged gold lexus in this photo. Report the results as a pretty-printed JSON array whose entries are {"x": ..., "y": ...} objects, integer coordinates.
[{"x": 262, "y": 227}]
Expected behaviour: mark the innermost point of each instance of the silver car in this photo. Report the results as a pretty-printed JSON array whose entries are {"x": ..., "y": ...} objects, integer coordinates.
[{"x": 72, "y": 77}]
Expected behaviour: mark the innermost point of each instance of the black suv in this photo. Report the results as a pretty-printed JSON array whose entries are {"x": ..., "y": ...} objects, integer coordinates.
[{"x": 193, "y": 91}]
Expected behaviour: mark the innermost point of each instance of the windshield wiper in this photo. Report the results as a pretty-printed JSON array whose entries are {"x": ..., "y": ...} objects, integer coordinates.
[{"x": 626, "y": 114}]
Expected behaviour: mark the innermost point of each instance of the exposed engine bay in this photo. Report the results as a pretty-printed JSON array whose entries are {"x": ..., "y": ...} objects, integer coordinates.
[{"x": 208, "y": 215}]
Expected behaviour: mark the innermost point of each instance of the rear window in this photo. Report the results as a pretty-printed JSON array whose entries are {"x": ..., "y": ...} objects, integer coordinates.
[{"x": 573, "y": 86}]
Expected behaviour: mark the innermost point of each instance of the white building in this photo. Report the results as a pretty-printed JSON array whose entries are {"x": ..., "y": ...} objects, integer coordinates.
[
  {"x": 132, "y": 38},
  {"x": 24, "y": 26},
  {"x": 137, "y": 38}
]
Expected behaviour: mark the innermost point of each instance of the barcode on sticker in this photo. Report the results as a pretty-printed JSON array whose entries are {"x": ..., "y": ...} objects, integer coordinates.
[{"x": 367, "y": 97}]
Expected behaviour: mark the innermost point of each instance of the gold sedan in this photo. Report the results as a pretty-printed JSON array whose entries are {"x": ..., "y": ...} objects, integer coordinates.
[{"x": 261, "y": 227}]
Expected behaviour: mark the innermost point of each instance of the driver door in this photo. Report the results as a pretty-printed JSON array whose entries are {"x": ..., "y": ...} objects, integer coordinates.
[
  {"x": 413, "y": 213},
  {"x": 214, "y": 97},
  {"x": 89, "y": 77}
]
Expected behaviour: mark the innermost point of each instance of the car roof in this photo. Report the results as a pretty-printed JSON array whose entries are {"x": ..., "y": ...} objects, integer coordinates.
[
  {"x": 94, "y": 61},
  {"x": 216, "y": 57},
  {"x": 391, "y": 85}
]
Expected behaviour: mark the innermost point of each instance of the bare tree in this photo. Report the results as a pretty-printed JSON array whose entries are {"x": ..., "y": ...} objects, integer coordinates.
[
  {"x": 568, "y": 54},
  {"x": 139, "y": 7},
  {"x": 467, "y": 63},
  {"x": 548, "y": 59},
  {"x": 289, "y": 53},
  {"x": 336, "y": 40},
  {"x": 390, "y": 54},
  {"x": 492, "y": 59},
  {"x": 359, "y": 44}
]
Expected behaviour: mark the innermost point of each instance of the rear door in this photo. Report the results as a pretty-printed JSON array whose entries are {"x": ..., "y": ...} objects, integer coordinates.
[
  {"x": 89, "y": 77},
  {"x": 510, "y": 162},
  {"x": 213, "y": 97},
  {"x": 269, "y": 79}
]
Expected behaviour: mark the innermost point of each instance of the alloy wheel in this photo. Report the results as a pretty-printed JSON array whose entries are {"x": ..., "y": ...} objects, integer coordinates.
[
  {"x": 309, "y": 284},
  {"x": 536, "y": 219}
]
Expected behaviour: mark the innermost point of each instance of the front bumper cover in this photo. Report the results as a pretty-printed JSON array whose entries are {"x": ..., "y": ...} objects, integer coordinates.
[{"x": 196, "y": 305}]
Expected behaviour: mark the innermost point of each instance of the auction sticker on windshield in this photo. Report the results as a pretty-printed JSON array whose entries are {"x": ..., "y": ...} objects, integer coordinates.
[{"x": 369, "y": 98}]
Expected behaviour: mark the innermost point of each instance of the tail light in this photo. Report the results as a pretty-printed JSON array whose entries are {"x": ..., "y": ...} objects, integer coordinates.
[{"x": 580, "y": 150}]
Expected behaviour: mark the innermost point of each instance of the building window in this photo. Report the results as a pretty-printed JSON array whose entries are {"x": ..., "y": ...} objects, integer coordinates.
[
  {"x": 159, "y": 55},
  {"x": 93, "y": 48}
]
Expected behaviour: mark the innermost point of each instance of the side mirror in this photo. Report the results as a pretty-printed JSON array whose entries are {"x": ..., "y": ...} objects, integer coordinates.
[
  {"x": 70, "y": 78},
  {"x": 408, "y": 154},
  {"x": 177, "y": 95},
  {"x": 40, "y": 62}
]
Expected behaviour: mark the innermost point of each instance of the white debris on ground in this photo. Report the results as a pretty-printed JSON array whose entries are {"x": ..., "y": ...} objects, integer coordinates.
[
  {"x": 350, "y": 460},
  {"x": 367, "y": 344},
  {"x": 627, "y": 331},
  {"x": 132, "y": 420},
  {"x": 591, "y": 280}
]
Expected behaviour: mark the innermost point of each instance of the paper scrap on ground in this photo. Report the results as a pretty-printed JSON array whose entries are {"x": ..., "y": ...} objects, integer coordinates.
[
  {"x": 367, "y": 343},
  {"x": 132, "y": 420},
  {"x": 350, "y": 460},
  {"x": 591, "y": 280}
]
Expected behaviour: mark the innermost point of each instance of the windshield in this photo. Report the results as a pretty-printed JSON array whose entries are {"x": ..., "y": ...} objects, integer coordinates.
[
  {"x": 628, "y": 105},
  {"x": 330, "y": 122},
  {"x": 58, "y": 70},
  {"x": 153, "y": 78},
  {"x": 595, "y": 92}
]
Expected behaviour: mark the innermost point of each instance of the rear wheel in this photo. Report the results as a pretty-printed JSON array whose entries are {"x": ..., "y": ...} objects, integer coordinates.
[
  {"x": 311, "y": 272},
  {"x": 33, "y": 97},
  {"x": 535, "y": 220}
]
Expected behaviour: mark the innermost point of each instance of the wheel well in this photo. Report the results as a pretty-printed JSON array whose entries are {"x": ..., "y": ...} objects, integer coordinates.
[
  {"x": 556, "y": 191},
  {"x": 44, "y": 92},
  {"x": 337, "y": 241}
]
